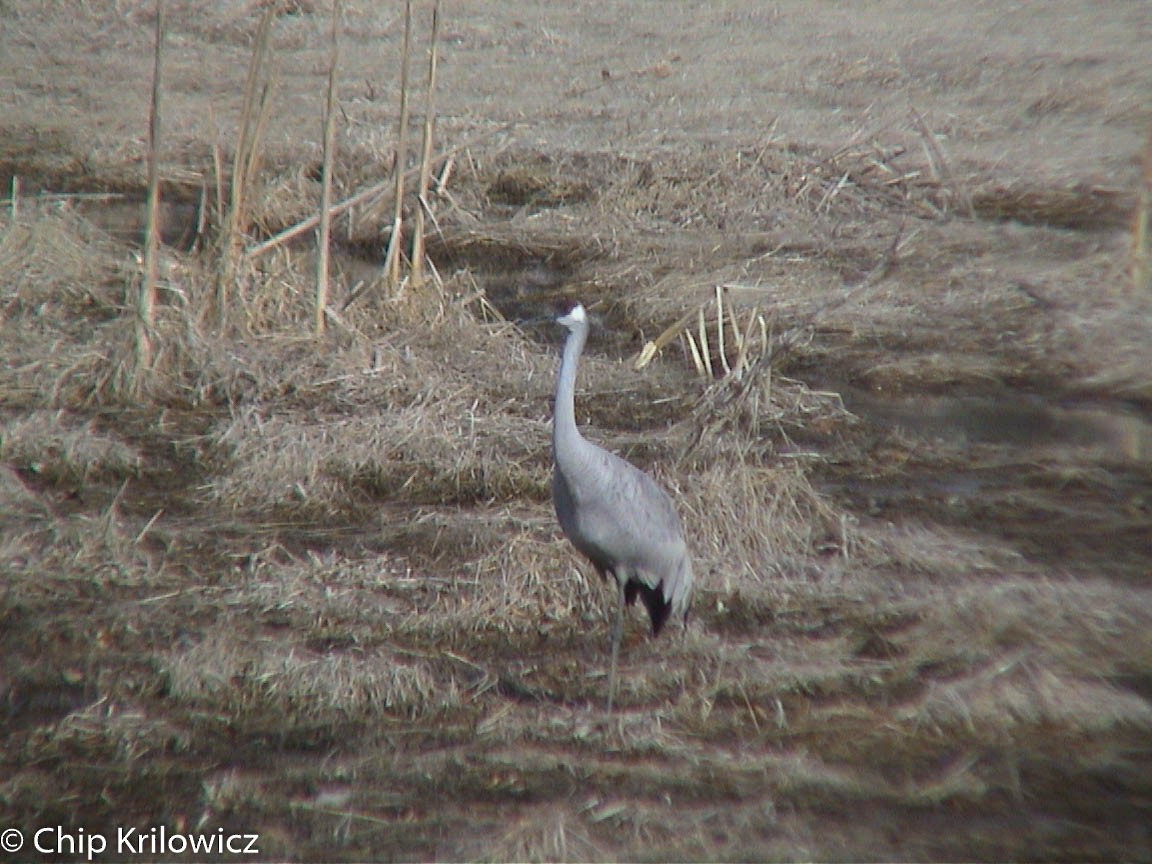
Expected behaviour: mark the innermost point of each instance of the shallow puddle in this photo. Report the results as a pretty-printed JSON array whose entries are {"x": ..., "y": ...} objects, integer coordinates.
[
  {"x": 1014, "y": 419},
  {"x": 123, "y": 218},
  {"x": 1068, "y": 485}
]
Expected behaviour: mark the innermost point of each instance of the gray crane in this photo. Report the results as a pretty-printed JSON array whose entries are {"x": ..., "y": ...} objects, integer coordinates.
[{"x": 614, "y": 513}]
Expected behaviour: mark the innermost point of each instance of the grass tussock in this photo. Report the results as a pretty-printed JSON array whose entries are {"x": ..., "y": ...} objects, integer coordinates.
[
  {"x": 61, "y": 267},
  {"x": 361, "y": 599},
  {"x": 746, "y": 503},
  {"x": 268, "y": 681},
  {"x": 71, "y": 290},
  {"x": 51, "y": 559},
  {"x": 60, "y": 449},
  {"x": 1095, "y": 628},
  {"x": 67, "y": 281},
  {"x": 545, "y": 833},
  {"x": 408, "y": 428},
  {"x": 763, "y": 519},
  {"x": 1020, "y": 699},
  {"x": 114, "y": 732},
  {"x": 326, "y": 654},
  {"x": 423, "y": 454},
  {"x": 934, "y": 551},
  {"x": 513, "y": 577}
]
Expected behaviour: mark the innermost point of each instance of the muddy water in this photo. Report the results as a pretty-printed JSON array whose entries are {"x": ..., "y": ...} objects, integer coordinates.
[
  {"x": 1065, "y": 485},
  {"x": 1105, "y": 430},
  {"x": 123, "y": 217}
]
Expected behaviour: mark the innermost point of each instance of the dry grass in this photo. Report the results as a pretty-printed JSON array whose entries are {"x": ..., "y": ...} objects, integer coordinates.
[
  {"x": 61, "y": 266},
  {"x": 314, "y": 588},
  {"x": 905, "y": 668},
  {"x": 60, "y": 450},
  {"x": 285, "y": 686},
  {"x": 402, "y": 427},
  {"x": 547, "y": 833}
]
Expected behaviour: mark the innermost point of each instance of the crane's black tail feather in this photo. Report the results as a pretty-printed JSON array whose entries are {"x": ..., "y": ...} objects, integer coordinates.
[{"x": 658, "y": 607}]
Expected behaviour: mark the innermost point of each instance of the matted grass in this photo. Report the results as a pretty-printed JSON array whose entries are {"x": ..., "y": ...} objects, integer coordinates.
[
  {"x": 314, "y": 589},
  {"x": 362, "y": 555}
]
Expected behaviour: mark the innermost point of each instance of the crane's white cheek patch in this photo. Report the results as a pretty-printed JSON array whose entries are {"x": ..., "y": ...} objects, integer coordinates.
[{"x": 576, "y": 315}]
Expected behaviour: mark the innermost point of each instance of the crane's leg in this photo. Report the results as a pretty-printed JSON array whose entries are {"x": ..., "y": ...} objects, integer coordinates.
[{"x": 617, "y": 632}]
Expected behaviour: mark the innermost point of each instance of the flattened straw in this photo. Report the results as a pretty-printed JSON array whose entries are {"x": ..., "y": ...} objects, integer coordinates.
[
  {"x": 324, "y": 239},
  {"x": 218, "y": 170},
  {"x": 826, "y": 200},
  {"x": 202, "y": 214},
  {"x": 735, "y": 322},
  {"x": 695, "y": 353},
  {"x": 425, "y": 156},
  {"x": 445, "y": 173},
  {"x": 931, "y": 148},
  {"x": 745, "y": 342}
]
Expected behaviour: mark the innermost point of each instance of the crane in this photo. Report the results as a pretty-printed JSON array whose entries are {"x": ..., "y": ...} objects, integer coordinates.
[{"x": 613, "y": 513}]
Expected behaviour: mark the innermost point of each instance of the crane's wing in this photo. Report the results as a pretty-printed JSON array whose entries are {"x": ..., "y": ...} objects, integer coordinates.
[{"x": 621, "y": 519}]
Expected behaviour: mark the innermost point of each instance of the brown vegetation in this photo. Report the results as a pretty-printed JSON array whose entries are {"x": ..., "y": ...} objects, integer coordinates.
[{"x": 310, "y": 586}]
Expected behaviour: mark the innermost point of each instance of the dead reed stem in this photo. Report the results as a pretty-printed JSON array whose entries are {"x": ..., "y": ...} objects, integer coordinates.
[
  {"x": 146, "y": 300},
  {"x": 218, "y": 173},
  {"x": 392, "y": 258},
  {"x": 245, "y": 162},
  {"x": 323, "y": 240},
  {"x": 422, "y": 205},
  {"x": 1141, "y": 246}
]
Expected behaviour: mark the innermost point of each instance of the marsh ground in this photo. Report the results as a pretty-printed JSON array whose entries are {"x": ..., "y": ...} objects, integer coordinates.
[{"x": 313, "y": 589}]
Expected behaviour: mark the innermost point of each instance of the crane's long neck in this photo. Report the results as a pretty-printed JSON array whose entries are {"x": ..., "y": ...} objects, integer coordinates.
[{"x": 564, "y": 412}]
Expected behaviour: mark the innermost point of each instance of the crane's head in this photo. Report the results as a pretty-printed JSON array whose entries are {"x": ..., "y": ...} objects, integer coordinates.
[{"x": 573, "y": 316}]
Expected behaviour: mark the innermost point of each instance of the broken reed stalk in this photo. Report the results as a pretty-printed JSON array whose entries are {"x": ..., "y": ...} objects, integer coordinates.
[
  {"x": 699, "y": 347},
  {"x": 705, "y": 349},
  {"x": 290, "y": 233},
  {"x": 392, "y": 257},
  {"x": 218, "y": 171},
  {"x": 146, "y": 299},
  {"x": 1141, "y": 225},
  {"x": 720, "y": 330},
  {"x": 941, "y": 172},
  {"x": 245, "y": 162},
  {"x": 670, "y": 333},
  {"x": 324, "y": 233},
  {"x": 422, "y": 206}
]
